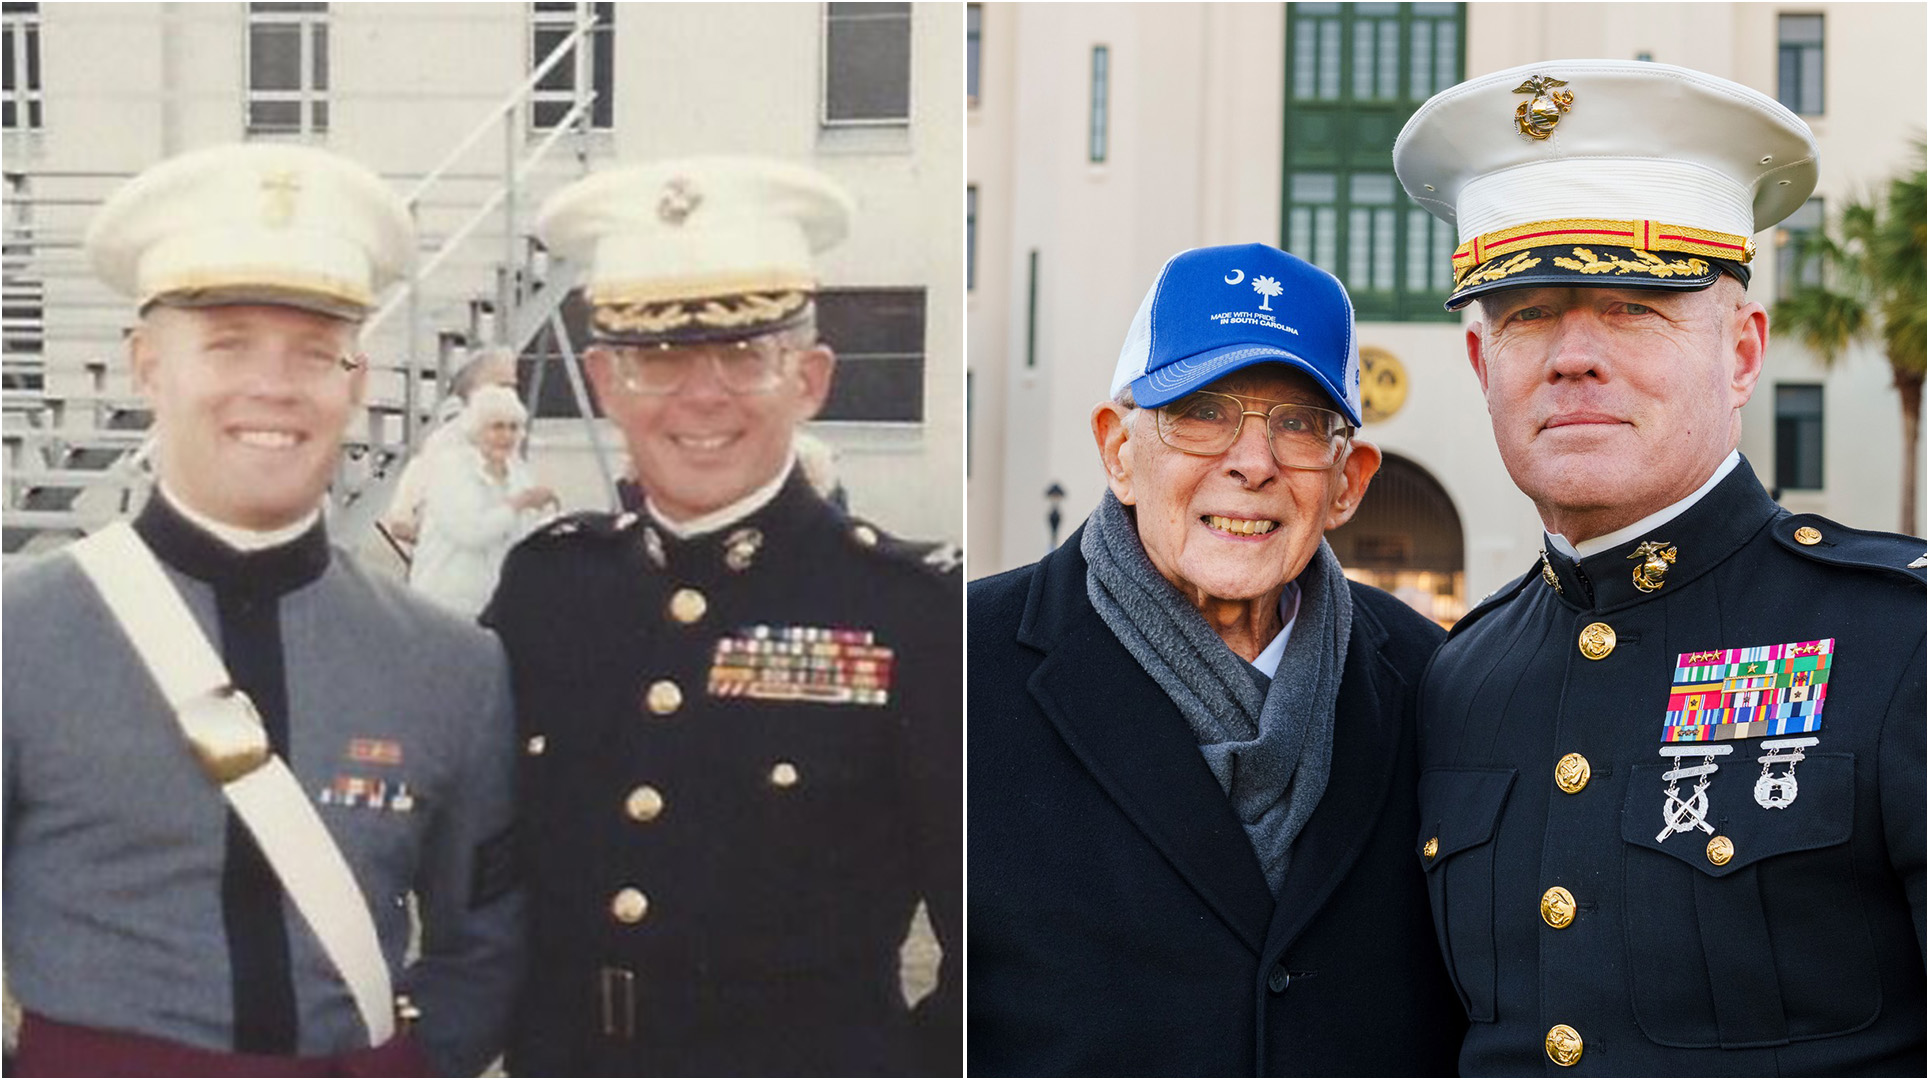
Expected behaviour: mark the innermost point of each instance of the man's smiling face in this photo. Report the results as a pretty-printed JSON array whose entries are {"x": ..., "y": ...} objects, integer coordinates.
[
  {"x": 250, "y": 403},
  {"x": 1235, "y": 525}
]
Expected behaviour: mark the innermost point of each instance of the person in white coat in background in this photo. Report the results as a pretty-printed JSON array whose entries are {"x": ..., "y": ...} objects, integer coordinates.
[{"x": 480, "y": 499}]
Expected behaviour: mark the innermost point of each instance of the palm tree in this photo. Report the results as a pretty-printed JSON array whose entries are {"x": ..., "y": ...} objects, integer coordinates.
[
  {"x": 1267, "y": 288},
  {"x": 1872, "y": 289}
]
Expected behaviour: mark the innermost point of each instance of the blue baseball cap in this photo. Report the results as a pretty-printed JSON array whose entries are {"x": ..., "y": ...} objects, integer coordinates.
[{"x": 1215, "y": 310}]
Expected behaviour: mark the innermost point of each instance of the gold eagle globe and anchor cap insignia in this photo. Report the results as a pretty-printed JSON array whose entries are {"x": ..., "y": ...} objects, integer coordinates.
[
  {"x": 1537, "y": 116},
  {"x": 679, "y": 200},
  {"x": 1654, "y": 557}
]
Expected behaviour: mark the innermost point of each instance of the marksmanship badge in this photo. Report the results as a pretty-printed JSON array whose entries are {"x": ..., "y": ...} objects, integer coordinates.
[{"x": 1775, "y": 791}]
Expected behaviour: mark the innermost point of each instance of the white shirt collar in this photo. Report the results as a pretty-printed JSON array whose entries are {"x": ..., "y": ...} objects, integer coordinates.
[
  {"x": 1268, "y": 659},
  {"x": 235, "y": 536},
  {"x": 1648, "y": 524},
  {"x": 729, "y": 515}
]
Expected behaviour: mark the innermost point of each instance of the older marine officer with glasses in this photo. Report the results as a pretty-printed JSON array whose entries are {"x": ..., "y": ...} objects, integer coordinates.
[
  {"x": 1191, "y": 739},
  {"x": 739, "y": 706}
]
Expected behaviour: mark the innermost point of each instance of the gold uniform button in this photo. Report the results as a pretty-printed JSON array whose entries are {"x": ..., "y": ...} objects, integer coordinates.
[
  {"x": 1720, "y": 850},
  {"x": 865, "y": 536},
  {"x": 1808, "y": 536},
  {"x": 664, "y": 698},
  {"x": 1572, "y": 773},
  {"x": 1557, "y": 908},
  {"x": 783, "y": 774},
  {"x": 687, "y": 606},
  {"x": 1597, "y": 640},
  {"x": 643, "y": 804},
  {"x": 1563, "y": 1045},
  {"x": 535, "y": 746},
  {"x": 1432, "y": 848},
  {"x": 629, "y": 905}
]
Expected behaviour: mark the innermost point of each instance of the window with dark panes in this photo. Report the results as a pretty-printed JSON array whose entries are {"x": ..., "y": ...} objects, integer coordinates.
[
  {"x": 974, "y": 48},
  {"x": 1101, "y": 105},
  {"x": 1798, "y": 81},
  {"x": 1798, "y": 264},
  {"x": 878, "y": 335},
  {"x": 971, "y": 236},
  {"x": 867, "y": 63},
  {"x": 1798, "y": 436},
  {"x": 1355, "y": 73},
  {"x": 287, "y": 68},
  {"x": 20, "y": 100},
  {"x": 550, "y": 24}
]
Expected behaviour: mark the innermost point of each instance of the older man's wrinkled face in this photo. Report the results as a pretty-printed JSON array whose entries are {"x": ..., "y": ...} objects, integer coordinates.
[
  {"x": 1236, "y": 525},
  {"x": 1609, "y": 404},
  {"x": 707, "y": 425}
]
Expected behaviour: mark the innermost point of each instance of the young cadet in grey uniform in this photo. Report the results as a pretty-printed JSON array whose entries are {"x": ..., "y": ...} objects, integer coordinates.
[
  {"x": 148, "y": 929},
  {"x": 740, "y": 708},
  {"x": 1673, "y": 777}
]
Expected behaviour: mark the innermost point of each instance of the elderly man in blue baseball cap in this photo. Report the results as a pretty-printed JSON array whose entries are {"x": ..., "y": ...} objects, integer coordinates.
[{"x": 1191, "y": 737}]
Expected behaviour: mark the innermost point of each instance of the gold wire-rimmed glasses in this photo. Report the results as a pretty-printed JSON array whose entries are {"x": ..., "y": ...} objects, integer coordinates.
[
  {"x": 1300, "y": 436},
  {"x": 753, "y": 366}
]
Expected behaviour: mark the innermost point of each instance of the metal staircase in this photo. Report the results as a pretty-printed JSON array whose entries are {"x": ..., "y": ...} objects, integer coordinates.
[{"x": 75, "y": 435}]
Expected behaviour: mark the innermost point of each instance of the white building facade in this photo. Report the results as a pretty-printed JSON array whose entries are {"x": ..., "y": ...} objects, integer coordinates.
[
  {"x": 426, "y": 94},
  {"x": 1103, "y": 138}
]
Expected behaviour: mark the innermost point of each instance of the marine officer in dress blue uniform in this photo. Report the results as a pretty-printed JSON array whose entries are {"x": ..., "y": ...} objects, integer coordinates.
[
  {"x": 740, "y": 707},
  {"x": 173, "y": 909},
  {"x": 1672, "y": 776}
]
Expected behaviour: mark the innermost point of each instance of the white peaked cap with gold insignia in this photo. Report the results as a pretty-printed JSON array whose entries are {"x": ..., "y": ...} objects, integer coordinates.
[
  {"x": 1603, "y": 172},
  {"x": 266, "y": 223},
  {"x": 697, "y": 249}
]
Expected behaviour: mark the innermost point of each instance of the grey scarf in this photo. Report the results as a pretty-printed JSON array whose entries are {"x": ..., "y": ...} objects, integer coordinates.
[{"x": 1271, "y": 753}]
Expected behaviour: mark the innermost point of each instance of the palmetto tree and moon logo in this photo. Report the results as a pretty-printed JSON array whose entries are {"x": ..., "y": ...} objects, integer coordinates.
[{"x": 1266, "y": 287}]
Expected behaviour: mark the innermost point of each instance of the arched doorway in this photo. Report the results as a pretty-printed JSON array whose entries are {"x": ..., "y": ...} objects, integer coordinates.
[{"x": 1406, "y": 539}]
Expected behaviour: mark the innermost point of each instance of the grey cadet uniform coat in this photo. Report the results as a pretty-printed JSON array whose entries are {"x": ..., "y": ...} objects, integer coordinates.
[
  {"x": 114, "y": 839},
  {"x": 720, "y": 878},
  {"x": 1800, "y": 952}
]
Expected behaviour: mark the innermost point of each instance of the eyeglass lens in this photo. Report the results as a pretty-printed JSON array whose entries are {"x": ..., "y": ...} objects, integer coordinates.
[
  {"x": 1301, "y": 436},
  {"x": 744, "y": 368}
]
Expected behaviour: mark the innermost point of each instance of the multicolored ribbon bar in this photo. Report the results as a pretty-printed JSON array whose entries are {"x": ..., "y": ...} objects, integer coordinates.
[{"x": 1750, "y": 693}]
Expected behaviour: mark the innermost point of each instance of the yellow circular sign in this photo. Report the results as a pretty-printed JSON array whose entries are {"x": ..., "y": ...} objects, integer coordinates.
[{"x": 1383, "y": 384}]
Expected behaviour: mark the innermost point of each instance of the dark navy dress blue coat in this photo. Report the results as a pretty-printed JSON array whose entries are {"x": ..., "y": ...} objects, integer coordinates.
[
  {"x": 1118, "y": 918},
  {"x": 1799, "y": 952}
]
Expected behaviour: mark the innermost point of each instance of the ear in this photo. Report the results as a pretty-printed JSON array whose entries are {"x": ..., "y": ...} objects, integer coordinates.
[
  {"x": 1356, "y": 472},
  {"x": 814, "y": 368},
  {"x": 1475, "y": 356},
  {"x": 1749, "y": 327},
  {"x": 1112, "y": 429},
  {"x": 358, "y": 378},
  {"x": 600, "y": 365},
  {"x": 144, "y": 359}
]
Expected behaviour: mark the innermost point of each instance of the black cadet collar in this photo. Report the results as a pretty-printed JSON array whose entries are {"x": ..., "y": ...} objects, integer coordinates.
[
  {"x": 1670, "y": 555},
  {"x": 201, "y": 555}
]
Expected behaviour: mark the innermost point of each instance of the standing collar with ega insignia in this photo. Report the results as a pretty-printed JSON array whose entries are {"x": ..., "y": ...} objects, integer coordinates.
[
  {"x": 1675, "y": 553},
  {"x": 1603, "y": 172}
]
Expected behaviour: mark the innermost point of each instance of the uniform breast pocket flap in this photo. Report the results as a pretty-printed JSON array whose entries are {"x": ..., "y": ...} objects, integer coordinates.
[
  {"x": 1458, "y": 810},
  {"x": 1459, "y": 813},
  {"x": 1744, "y": 832}
]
